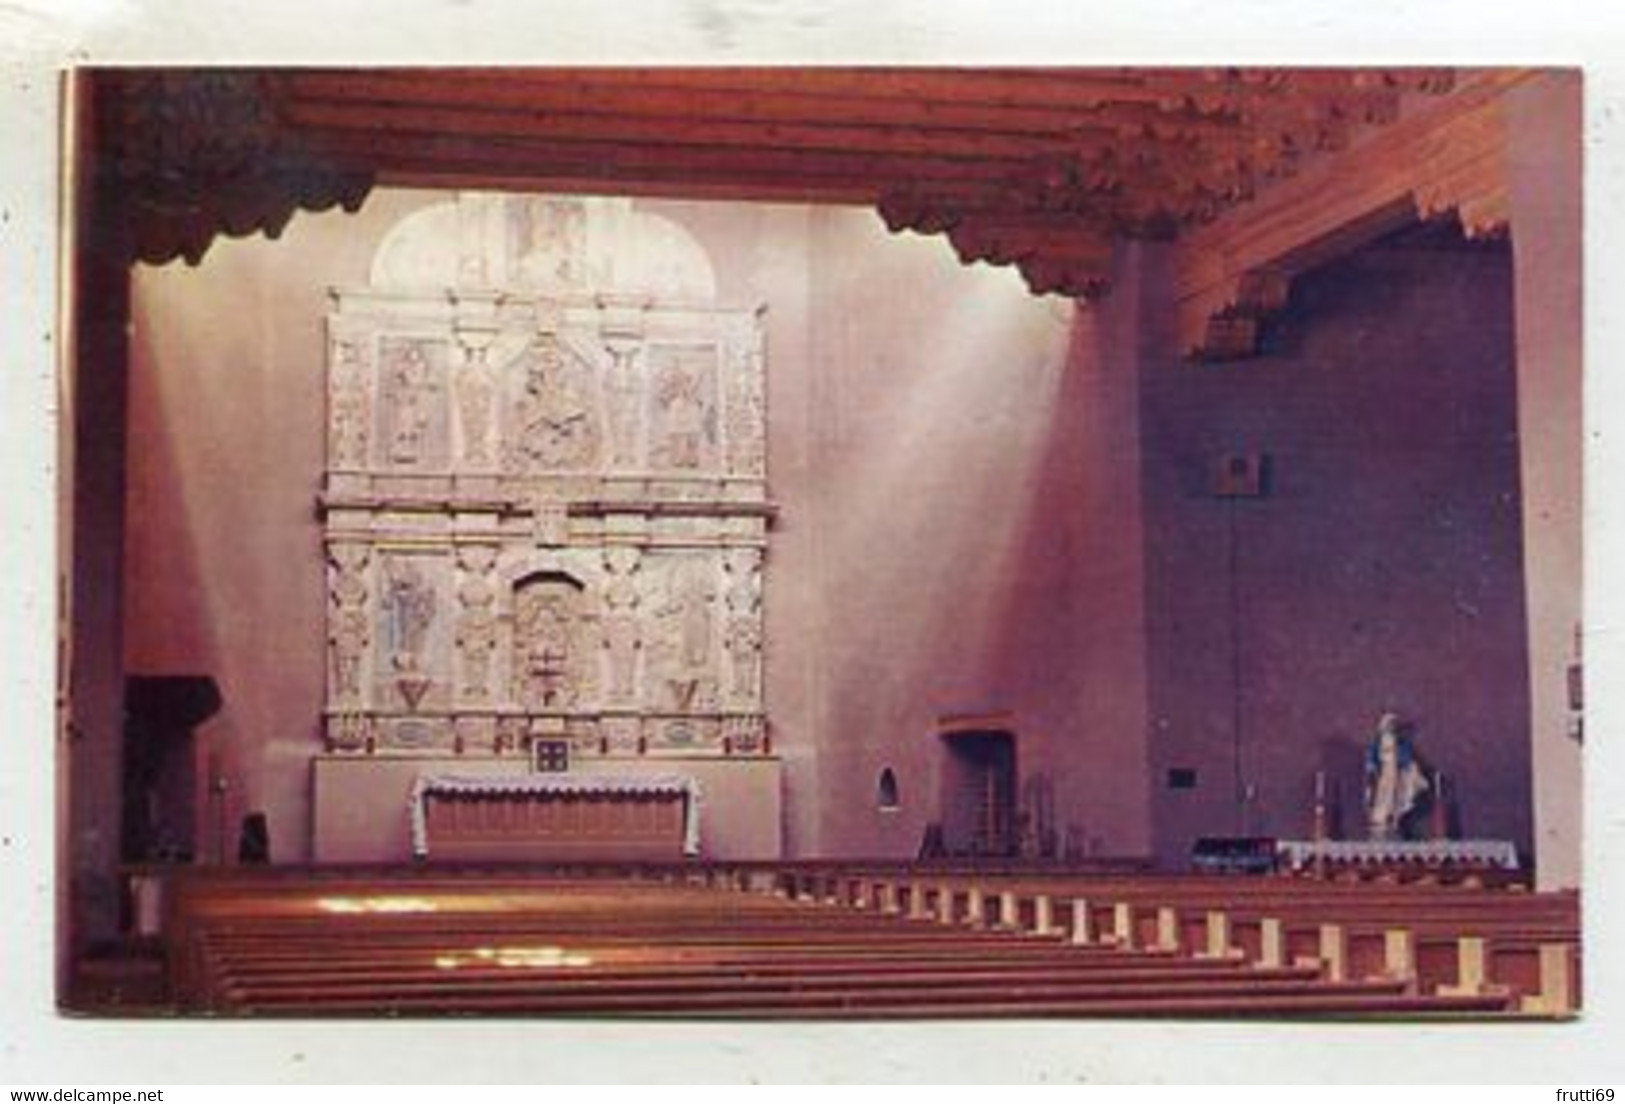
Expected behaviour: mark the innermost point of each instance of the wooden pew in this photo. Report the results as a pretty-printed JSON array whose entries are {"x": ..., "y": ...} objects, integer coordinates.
[{"x": 689, "y": 942}]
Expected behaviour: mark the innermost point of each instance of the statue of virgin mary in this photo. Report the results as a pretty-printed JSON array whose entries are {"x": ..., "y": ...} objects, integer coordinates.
[{"x": 1394, "y": 781}]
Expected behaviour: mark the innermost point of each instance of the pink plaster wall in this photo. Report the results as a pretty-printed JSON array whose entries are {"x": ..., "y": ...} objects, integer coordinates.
[
  {"x": 1543, "y": 169},
  {"x": 224, "y": 572},
  {"x": 1382, "y": 571},
  {"x": 971, "y": 503}
]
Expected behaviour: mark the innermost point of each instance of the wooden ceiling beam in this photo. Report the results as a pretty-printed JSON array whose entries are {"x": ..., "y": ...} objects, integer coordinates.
[
  {"x": 1047, "y": 88},
  {"x": 592, "y": 95},
  {"x": 1037, "y": 167},
  {"x": 612, "y": 162},
  {"x": 655, "y": 132},
  {"x": 743, "y": 190}
]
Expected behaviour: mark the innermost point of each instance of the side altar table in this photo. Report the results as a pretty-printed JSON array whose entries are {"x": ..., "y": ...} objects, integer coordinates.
[
  {"x": 552, "y": 817},
  {"x": 1299, "y": 854}
]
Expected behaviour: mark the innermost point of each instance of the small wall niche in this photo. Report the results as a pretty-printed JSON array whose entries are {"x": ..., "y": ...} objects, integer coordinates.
[{"x": 886, "y": 795}]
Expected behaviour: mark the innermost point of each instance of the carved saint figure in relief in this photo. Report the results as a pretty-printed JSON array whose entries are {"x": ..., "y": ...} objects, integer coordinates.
[
  {"x": 477, "y": 624},
  {"x": 623, "y": 635},
  {"x": 348, "y": 631},
  {"x": 407, "y": 383},
  {"x": 548, "y": 242},
  {"x": 411, "y": 601},
  {"x": 1394, "y": 780},
  {"x": 690, "y": 593},
  {"x": 683, "y": 417},
  {"x": 556, "y": 415}
]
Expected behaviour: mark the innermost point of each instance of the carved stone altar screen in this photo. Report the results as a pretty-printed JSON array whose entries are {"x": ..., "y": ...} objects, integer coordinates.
[{"x": 545, "y": 497}]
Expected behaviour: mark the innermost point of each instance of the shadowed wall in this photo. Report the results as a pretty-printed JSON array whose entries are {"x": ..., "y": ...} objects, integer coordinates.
[{"x": 1381, "y": 570}]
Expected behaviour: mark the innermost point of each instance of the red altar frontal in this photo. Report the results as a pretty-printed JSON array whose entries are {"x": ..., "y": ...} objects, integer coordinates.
[{"x": 538, "y": 818}]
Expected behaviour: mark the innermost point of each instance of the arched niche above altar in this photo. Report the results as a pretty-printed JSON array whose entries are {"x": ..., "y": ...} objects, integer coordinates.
[
  {"x": 549, "y": 245},
  {"x": 554, "y": 652}
]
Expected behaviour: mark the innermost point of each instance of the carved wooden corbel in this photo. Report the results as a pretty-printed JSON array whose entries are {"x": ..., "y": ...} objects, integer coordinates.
[
  {"x": 1232, "y": 273},
  {"x": 1194, "y": 152},
  {"x": 193, "y": 154}
]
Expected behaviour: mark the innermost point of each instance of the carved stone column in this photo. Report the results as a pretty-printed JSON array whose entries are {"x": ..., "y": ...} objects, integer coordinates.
[
  {"x": 621, "y": 329},
  {"x": 622, "y": 629},
  {"x": 349, "y": 631},
  {"x": 744, "y": 631},
  {"x": 473, "y": 381},
  {"x": 476, "y": 621}
]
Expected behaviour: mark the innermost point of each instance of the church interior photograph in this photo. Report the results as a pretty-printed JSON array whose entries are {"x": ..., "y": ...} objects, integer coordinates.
[{"x": 821, "y": 543}]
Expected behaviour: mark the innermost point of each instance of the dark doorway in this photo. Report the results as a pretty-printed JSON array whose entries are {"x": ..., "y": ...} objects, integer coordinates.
[
  {"x": 979, "y": 793},
  {"x": 161, "y": 713}
]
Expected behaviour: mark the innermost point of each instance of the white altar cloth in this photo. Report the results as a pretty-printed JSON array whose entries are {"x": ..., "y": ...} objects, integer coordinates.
[
  {"x": 562, "y": 783},
  {"x": 1472, "y": 852}
]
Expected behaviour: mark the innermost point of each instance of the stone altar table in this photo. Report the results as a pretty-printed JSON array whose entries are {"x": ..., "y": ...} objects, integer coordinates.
[{"x": 554, "y": 817}]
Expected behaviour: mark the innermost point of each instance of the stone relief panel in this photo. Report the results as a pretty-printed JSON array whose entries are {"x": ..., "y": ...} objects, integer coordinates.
[
  {"x": 545, "y": 500},
  {"x": 412, "y": 430},
  {"x": 555, "y": 416},
  {"x": 547, "y": 241},
  {"x": 410, "y": 629},
  {"x": 682, "y": 410},
  {"x": 682, "y": 626}
]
